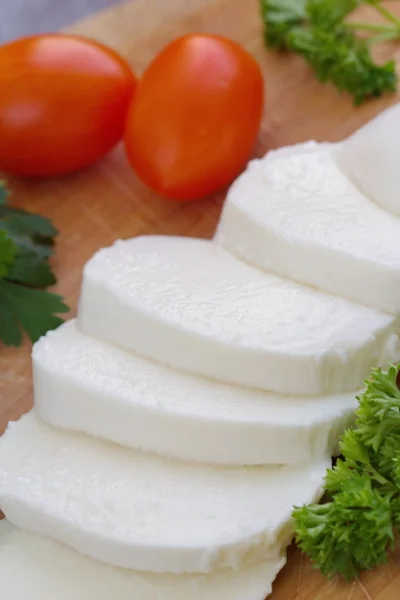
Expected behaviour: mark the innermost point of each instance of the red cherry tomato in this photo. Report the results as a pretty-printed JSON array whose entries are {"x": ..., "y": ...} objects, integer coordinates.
[
  {"x": 195, "y": 117},
  {"x": 63, "y": 103}
]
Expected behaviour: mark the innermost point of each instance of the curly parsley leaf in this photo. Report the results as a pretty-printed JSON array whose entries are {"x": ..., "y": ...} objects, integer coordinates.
[
  {"x": 349, "y": 534},
  {"x": 356, "y": 529},
  {"x": 281, "y": 16},
  {"x": 329, "y": 13},
  {"x": 344, "y": 60},
  {"x": 317, "y": 31}
]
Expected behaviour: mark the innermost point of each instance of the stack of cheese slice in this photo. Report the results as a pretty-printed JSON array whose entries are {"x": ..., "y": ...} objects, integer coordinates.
[
  {"x": 196, "y": 399},
  {"x": 321, "y": 215}
]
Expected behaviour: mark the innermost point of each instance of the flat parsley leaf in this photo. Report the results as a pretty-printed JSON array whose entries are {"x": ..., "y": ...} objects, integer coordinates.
[
  {"x": 31, "y": 232},
  {"x": 34, "y": 311},
  {"x": 26, "y": 244},
  {"x": 8, "y": 251},
  {"x": 29, "y": 269}
]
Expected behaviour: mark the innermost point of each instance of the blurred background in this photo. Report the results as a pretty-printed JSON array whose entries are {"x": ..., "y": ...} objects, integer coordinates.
[{"x": 21, "y": 17}]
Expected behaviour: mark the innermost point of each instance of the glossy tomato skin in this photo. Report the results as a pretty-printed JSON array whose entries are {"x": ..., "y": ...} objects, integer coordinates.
[
  {"x": 63, "y": 103},
  {"x": 195, "y": 118}
]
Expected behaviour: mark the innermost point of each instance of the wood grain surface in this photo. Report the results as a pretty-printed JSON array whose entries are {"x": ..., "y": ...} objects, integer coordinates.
[{"x": 106, "y": 202}]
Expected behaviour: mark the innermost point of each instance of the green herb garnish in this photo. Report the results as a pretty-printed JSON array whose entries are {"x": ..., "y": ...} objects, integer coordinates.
[
  {"x": 356, "y": 528},
  {"x": 318, "y": 30},
  {"x": 26, "y": 244}
]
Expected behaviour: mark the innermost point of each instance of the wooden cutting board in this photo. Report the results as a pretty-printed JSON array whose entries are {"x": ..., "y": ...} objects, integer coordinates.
[{"x": 106, "y": 202}]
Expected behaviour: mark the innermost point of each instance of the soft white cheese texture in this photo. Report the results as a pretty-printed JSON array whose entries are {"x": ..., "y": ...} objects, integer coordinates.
[
  {"x": 191, "y": 305},
  {"x": 89, "y": 386},
  {"x": 138, "y": 511},
  {"x": 370, "y": 157},
  {"x": 297, "y": 215},
  {"x": 33, "y": 568}
]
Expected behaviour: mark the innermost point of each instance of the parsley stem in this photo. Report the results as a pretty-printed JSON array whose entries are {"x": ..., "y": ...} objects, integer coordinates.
[
  {"x": 378, "y": 478},
  {"x": 386, "y": 13},
  {"x": 373, "y": 27},
  {"x": 385, "y": 36}
]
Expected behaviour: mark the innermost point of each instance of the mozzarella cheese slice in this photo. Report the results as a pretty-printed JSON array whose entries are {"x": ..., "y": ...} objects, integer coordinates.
[
  {"x": 137, "y": 511},
  {"x": 192, "y": 306},
  {"x": 86, "y": 385},
  {"x": 370, "y": 158},
  {"x": 299, "y": 216},
  {"x": 39, "y": 569}
]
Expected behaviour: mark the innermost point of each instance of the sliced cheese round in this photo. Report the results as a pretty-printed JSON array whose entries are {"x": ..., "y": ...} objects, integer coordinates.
[
  {"x": 89, "y": 386},
  {"x": 190, "y": 305},
  {"x": 38, "y": 569},
  {"x": 370, "y": 158},
  {"x": 137, "y": 511},
  {"x": 297, "y": 215}
]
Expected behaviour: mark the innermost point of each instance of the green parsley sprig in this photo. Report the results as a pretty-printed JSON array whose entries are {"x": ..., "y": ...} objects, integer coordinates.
[
  {"x": 318, "y": 31},
  {"x": 26, "y": 244},
  {"x": 355, "y": 529}
]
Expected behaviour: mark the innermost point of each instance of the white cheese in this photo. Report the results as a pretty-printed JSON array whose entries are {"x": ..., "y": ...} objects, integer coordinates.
[
  {"x": 137, "y": 511},
  {"x": 300, "y": 217},
  {"x": 88, "y": 386},
  {"x": 192, "y": 306},
  {"x": 33, "y": 568},
  {"x": 371, "y": 158},
  {"x": 5, "y": 528}
]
